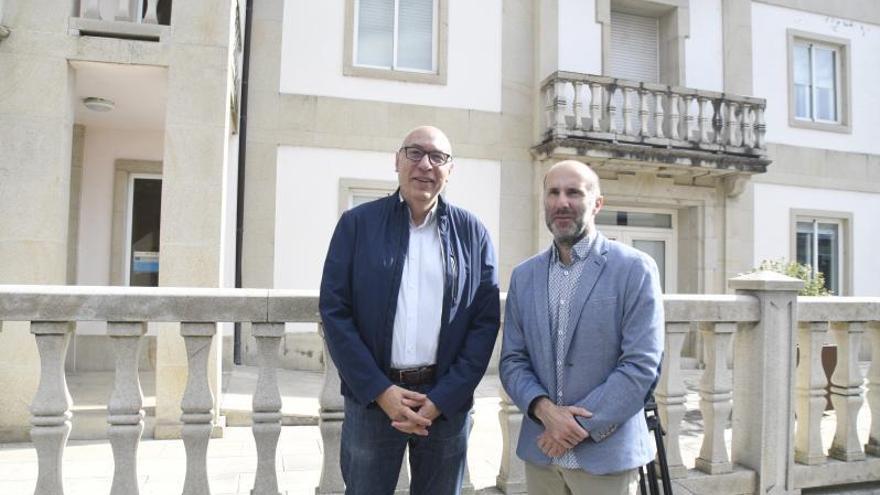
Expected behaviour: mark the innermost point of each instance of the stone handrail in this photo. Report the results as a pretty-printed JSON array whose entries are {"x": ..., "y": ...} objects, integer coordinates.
[
  {"x": 763, "y": 317},
  {"x": 621, "y": 111}
]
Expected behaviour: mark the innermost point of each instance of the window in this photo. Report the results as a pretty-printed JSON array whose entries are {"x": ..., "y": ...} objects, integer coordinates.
[
  {"x": 649, "y": 231},
  {"x": 397, "y": 39},
  {"x": 142, "y": 241},
  {"x": 817, "y": 73},
  {"x": 355, "y": 192},
  {"x": 820, "y": 241}
]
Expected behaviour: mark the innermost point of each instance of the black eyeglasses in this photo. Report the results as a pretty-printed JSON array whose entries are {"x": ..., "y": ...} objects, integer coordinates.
[{"x": 436, "y": 158}]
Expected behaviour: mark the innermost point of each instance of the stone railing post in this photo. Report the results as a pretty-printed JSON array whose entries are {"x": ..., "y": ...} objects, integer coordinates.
[
  {"x": 560, "y": 107},
  {"x": 846, "y": 391},
  {"x": 267, "y": 407},
  {"x": 643, "y": 113},
  {"x": 50, "y": 409},
  {"x": 873, "y": 445},
  {"x": 611, "y": 90},
  {"x": 628, "y": 111},
  {"x": 715, "y": 388},
  {"x": 197, "y": 406},
  {"x": 671, "y": 396},
  {"x": 674, "y": 115},
  {"x": 595, "y": 107},
  {"x": 658, "y": 113},
  {"x": 763, "y": 394},
  {"x": 760, "y": 128},
  {"x": 150, "y": 17},
  {"x": 577, "y": 105},
  {"x": 125, "y": 408},
  {"x": 512, "y": 475},
  {"x": 811, "y": 384},
  {"x": 331, "y": 414},
  {"x": 733, "y": 124}
]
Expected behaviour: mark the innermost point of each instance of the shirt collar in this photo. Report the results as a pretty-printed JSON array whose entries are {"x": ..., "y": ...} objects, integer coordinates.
[
  {"x": 579, "y": 251},
  {"x": 429, "y": 218}
]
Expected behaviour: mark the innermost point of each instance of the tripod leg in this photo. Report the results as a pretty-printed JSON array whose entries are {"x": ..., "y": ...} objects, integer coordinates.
[
  {"x": 661, "y": 457},
  {"x": 643, "y": 489},
  {"x": 652, "y": 478}
]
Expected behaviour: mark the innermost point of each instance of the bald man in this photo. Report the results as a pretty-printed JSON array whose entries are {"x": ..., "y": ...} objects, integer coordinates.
[
  {"x": 583, "y": 337},
  {"x": 409, "y": 302}
]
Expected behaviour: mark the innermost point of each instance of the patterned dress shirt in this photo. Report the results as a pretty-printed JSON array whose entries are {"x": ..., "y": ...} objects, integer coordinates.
[{"x": 562, "y": 285}]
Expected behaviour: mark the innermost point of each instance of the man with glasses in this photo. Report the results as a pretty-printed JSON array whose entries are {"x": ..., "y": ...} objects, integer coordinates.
[{"x": 409, "y": 302}]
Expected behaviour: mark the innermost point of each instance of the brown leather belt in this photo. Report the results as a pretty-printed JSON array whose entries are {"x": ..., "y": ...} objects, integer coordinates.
[{"x": 413, "y": 376}]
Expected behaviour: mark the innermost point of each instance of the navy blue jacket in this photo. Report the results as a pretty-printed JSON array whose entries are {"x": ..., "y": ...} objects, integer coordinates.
[{"x": 359, "y": 290}]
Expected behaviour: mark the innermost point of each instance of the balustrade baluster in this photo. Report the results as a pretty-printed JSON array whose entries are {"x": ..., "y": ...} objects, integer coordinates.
[
  {"x": 689, "y": 118},
  {"x": 125, "y": 408},
  {"x": 670, "y": 396},
  {"x": 628, "y": 112},
  {"x": 674, "y": 115},
  {"x": 643, "y": 113},
  {"x": 715, "y": 393},
  {"x": 596, "y": 107},
  {"x": 50, "y": 408},
  {"x": 718, "y": 120},
  {"x": 658, "y": 114},
  {"x": 873, "y": 445},
  {"x": 91, "y": 9},
  {"x": 810, "y": 393},
  {"x": 846, "y": 391},
  {"x": 150, "y": 17},
  {"x": 123, "y": 11},
  {"x": 733, "y": 124},
  {"x": 612, "y": 110},
  {"x": 267, "y": 407},
  {"x": 577, "y": 106},
  {"x": 747, "y": 135},
  {"x": 511, "y": 475},
  {"x": 705, "y": 120},
  {"x": 331, "y": 414},
  {"x": 760, "y": 128},
  {"x": 197, "y": 405},
  {"x": 560, "y": 107}
]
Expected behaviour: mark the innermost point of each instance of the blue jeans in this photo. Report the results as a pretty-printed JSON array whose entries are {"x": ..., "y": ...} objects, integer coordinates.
[{"x": 372, "y": 452}]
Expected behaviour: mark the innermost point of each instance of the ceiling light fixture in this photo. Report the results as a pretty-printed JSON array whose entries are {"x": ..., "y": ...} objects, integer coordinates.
[{"x": 98, "y": 104}]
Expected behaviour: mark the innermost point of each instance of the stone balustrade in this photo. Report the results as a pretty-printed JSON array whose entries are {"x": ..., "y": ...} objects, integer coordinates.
[
  {"x": 606, "y": 118},
  {"x": 753, "y": 389},
  {"x": 119, "y": 10}
]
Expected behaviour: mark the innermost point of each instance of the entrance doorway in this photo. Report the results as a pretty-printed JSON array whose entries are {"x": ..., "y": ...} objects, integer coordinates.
[{"x": 650, "y": 231}]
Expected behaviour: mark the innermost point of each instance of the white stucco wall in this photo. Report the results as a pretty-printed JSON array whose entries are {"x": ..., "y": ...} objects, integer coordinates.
[
  {"x": 312, "y": 58},
  {"x": 704, "y": 50},
  {"x": 580, "y": 37},
  {"x": 307, "y": 203},
  {"x": 773, "y": 235},
  {"x": 770, "y": 59}
]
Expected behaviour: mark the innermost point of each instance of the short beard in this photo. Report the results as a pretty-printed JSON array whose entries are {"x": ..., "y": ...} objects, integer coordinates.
[{"x": 568, "y": 238}]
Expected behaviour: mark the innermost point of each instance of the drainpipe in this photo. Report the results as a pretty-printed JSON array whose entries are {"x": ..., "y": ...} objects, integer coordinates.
[{"x": 242, "y": 149}]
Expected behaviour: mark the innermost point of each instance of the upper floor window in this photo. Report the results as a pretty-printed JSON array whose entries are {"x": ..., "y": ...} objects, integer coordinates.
[
  {"x": 818, "y": 73},
  {"x": 822, "y": 242},
  {"x": 397, "y": 39}
]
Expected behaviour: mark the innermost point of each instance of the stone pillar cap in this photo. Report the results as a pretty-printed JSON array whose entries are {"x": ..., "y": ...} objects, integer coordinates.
[{"x": 766, "y": 281}]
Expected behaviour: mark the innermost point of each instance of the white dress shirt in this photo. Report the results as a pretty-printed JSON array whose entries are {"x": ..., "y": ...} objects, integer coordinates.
[{"x": 420, "y": 299}]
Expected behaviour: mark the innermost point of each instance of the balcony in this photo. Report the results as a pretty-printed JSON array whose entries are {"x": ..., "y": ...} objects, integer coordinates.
[
  {"x": 635, "y": 126},
  {"x": 146, "y": 20},
  {"x": 756, "y": 414}
]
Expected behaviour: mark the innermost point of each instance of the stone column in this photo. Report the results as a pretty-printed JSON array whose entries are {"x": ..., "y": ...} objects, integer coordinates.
[
  {"x": 195, "y": 163},
  {"x": 763, "y": 393},
  {"x": 36, "y": 128}
]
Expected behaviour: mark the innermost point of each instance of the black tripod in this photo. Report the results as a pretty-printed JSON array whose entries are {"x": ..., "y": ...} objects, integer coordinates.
[{"x": 651, "y": 482}]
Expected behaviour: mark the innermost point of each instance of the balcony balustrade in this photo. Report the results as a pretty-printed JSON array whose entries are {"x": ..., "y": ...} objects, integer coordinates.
[
  {"x": 629, "y": 122},
  {"x": 750, "y": 392},
  {"x": 132, "y": 19}
]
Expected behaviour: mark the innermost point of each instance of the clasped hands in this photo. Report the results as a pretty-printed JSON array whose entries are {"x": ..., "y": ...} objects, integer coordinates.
[
  {"x": 561, "y": 430},
  {"x": 410, "y": 412}
]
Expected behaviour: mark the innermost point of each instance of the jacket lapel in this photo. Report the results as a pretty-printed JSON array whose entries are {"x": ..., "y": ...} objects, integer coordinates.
[
  {"x": 592, "y": 271},
  {"x": 540, "y": 274}
]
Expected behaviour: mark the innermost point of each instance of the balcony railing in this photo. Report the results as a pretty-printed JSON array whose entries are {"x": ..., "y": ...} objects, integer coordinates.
[
  {"x": 607, "y": 118},
  {"x": 134, "y": 19},
  {"x": 751, "y": 341}
]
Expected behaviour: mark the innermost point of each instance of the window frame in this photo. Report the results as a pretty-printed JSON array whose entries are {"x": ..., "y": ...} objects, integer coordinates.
[
  {"x": 129, "y": 212},
  {"x": 439, "y": 57},
  {"x": 349, "y": 187},
  {"x": 842, "y": 78},
  {"x": 844, "y": 220}
]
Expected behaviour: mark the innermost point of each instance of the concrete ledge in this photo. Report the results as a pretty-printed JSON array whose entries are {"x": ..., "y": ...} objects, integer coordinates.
[
  {"x": 836, "y": 472},
  {"x": 838, "y": 308},
  {"x": 689, "y": 307},
  {"x": 740, "y": 481}
]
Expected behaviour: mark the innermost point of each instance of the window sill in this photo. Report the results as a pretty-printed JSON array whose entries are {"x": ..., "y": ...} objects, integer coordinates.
[
  {"x": 395, "y": 75},
  {"x": 842, "y": 128}
]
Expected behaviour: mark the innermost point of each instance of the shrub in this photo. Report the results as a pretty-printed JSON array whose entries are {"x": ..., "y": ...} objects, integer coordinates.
[{"x": 814, "y": 284}]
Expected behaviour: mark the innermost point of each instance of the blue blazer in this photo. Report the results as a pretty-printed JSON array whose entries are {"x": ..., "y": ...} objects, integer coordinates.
[
  {"x": 612, "y": 353},
  {"x": 358, "y": 300}
]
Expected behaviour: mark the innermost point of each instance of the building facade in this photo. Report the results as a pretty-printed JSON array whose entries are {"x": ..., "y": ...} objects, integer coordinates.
[{"x": 726, "y": 132}]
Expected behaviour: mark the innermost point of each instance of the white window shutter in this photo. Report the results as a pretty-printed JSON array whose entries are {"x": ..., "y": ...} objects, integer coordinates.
[
  {"x": 416, "y": 35},
  {"x": 375, "y": 33},
  {"x": 634, "y": 47}
]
